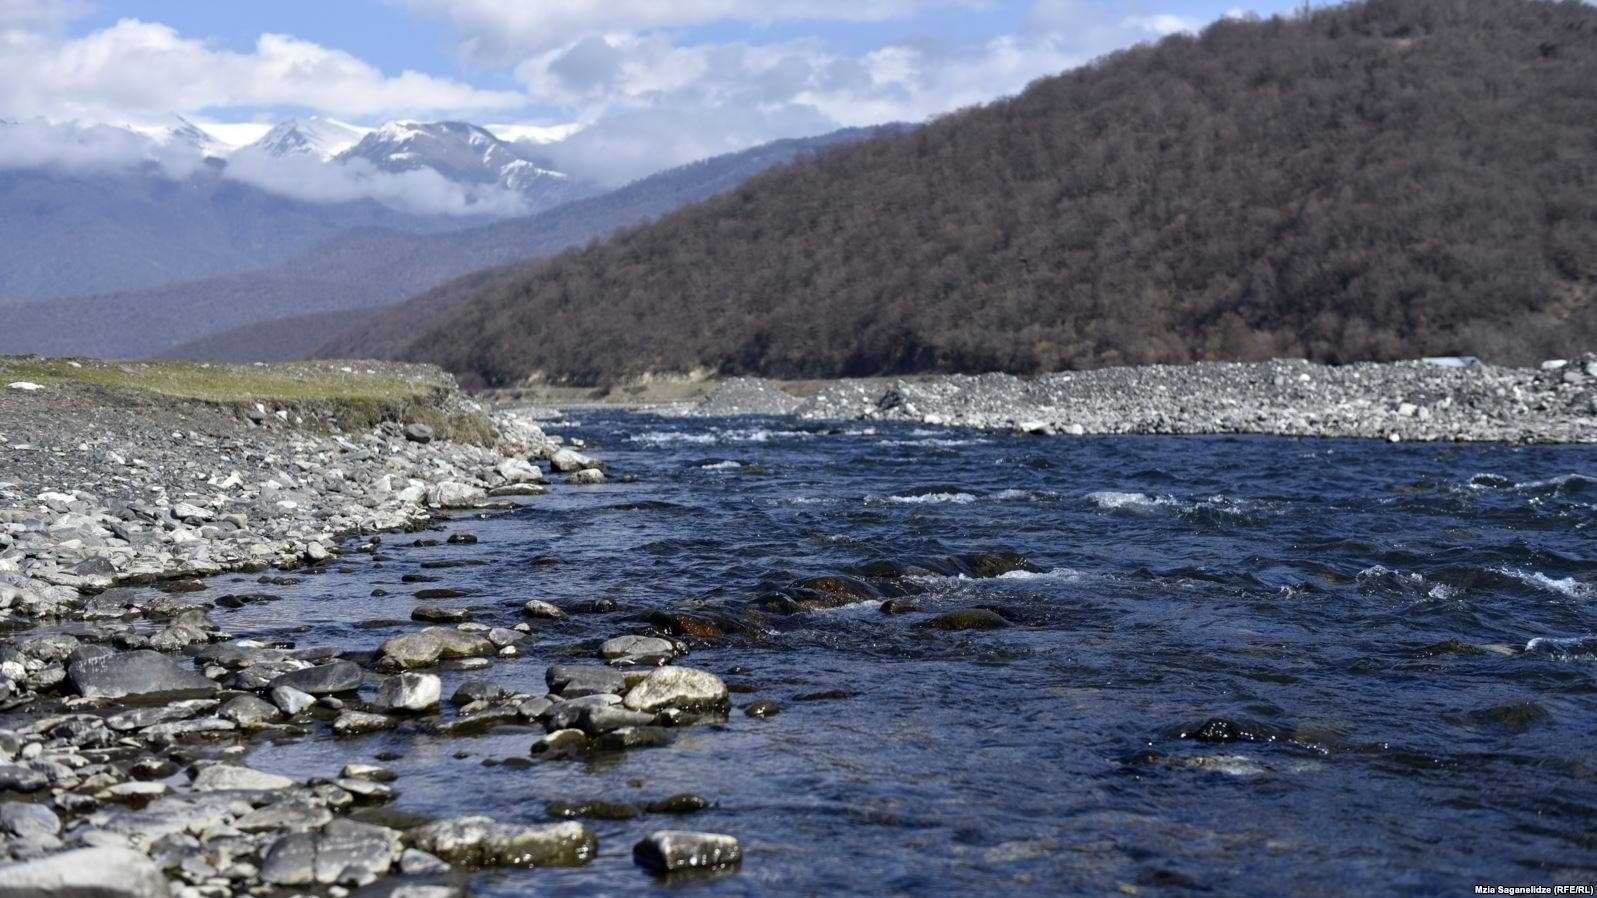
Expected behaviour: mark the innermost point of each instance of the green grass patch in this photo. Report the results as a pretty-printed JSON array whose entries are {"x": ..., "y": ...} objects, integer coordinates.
[{"x": 210, "y": 382}]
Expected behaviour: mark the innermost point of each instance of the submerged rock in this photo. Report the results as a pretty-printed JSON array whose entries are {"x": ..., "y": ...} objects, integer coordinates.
[
  {"x": 134, "y": 674},
  {"x": 967, "y": 619},
  {"x": 673, "y": 851}
]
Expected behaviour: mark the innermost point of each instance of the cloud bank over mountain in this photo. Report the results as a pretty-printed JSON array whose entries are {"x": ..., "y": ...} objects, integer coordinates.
[{"x": 628, "y": 87}]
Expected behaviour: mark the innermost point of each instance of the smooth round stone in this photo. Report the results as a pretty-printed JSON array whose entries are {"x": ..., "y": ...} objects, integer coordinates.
[
  {"x": 325, "y": 679},
  {"x": 414, "y": 692}
]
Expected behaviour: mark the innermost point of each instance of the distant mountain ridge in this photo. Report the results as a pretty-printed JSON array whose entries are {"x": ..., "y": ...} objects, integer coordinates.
[
  {"x": 1372, "y": 181},
  {"x": 359, "y": 269}
]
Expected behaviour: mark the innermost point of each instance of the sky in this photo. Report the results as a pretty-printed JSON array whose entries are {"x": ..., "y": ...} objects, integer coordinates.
[{"x": 634, "y": 86}]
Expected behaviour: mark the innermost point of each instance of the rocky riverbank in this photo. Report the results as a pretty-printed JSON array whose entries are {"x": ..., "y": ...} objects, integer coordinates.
[
  {"x": 1431, "y": 400},
  {"x": 125, "y": 708}
]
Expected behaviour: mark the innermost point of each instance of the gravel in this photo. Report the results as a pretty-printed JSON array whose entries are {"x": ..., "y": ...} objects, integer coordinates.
[{"x": 1426, "y": 400}]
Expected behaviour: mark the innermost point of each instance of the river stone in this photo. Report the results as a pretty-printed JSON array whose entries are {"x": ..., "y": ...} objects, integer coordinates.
[
  {"x": 135, "y": 673},
  {"x": 586, "y": 477},
  {"x": 565, "y": 714},
  {"x": 285, "y": 816},
  {"x": 541, "y": 609},
  {"x": 967, "y": 619},
  {"x": 225, "y": 777},
  {"x": 426, "y": 647},
  {"x": 484, "y": 842},
  {"x": 354, "y": 723},
  {"x": 632, "y": 646},
  {"x": 672, "y": 851},
  {"x": 577, "y": 680},
  {"x": 683, "y": 688},
  {"x": 561, "y": 744},
  {"x": 29, "y": 822},
  {"x": 250, "y": 710},
  {"x": 325, "y": 857},
  {"x": 569, "y": 461},
  {"x": 107, "y": 872},
  {"x": 326, "y": 679},
  {"x": 291, "y": 700},
  {"x": 410, "y": 692}
]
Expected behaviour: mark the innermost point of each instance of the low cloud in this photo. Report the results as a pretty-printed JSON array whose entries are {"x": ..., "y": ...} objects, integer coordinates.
[
  {"x": 74, "y": 149},
  {"x": 422, "y": 191}
]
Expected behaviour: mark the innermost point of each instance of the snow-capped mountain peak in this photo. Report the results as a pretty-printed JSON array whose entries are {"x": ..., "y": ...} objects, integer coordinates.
[
  {"x": 179, "y": 131},
  {"x": 322, "y": 138}
]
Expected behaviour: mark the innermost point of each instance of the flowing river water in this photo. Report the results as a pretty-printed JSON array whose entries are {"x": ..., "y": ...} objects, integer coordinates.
[{"x": 1234, "y": 666}]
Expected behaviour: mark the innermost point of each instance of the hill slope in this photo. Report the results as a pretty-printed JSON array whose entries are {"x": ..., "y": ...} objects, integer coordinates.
[
  {"x": 343, "y": 282},
  {"x": 1380, "y": 180}
]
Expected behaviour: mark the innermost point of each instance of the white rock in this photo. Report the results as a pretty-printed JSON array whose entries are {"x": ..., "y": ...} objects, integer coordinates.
[{"x": 26, "y": 386}]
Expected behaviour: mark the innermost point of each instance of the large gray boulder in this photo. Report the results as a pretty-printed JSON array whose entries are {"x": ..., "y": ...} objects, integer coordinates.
[
  {"x": 136, "y": 674},
  {"x": 85, "y": 873}
]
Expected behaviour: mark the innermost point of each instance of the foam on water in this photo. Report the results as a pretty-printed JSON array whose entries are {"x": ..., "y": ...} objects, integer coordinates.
[
  {"x": 929, "y": 499},
  {"x": 1566, "y": 586}
]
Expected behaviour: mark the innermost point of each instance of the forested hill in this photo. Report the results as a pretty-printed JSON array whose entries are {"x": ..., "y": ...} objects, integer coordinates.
[{"x": 1380, "y": 180}]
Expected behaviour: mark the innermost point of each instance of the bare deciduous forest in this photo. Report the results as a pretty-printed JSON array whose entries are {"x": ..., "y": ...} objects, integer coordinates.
[{"x": 1382, "y": 180}]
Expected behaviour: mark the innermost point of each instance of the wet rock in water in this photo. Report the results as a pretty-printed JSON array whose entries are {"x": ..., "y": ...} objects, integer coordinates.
[
  {"x": 435, "y": 594},
  {"x": 594, "y": 606},
  {"x": 679, "y": 624},
  {"x": 354, "y": 723},
  {"x": 477, "y": 691},
  {"x": 682, "y": 688},
  {"x": 437, "y": 614},
  {"x": 832, "y": 592},
  {"x": 462, "y": 539},
  {"x": 564, "y": 714},
  {"x": 250, "y": 711},
  {"x": 107, "y": 872},
  {"x": 129, "y": 674},
  {"x": 598, "y": 719},
  {"x": 674, "y": 851},
  {"x": 763, "y": 708},
  {"x": 594, "y": 810},
  {"x": 327, "y": 857},
  {"x": 586, "y": 477},
  {"x": 478, "y": 721},
  {"x": 624, "y": 647},
  {"x": 485, "y": 842},
  {"x": 1517, "y": 716},
  {"x": 428, "y": 646},
  {"x": 368, "y": 772},
  {"x": 577, "y": 680},
  {"x": 631, "y": 738},
  {"x": 541, "y": 609},
  {"x": 290, "y": 700},
  {"x": 899, "y": 606},
  {"x": 413, "y": 692},
  {"x": 967, "y": 619},
  {"x": 326, "y": 679},
  {"x": 284, "y": 816},
  {"x": 685, "y": 803},
  {"x": 1220, "y": 730},
  {"x": 229, "y": 777},
  {"x": 569, "y": 461},
  {"x": 561, "y": 744}
]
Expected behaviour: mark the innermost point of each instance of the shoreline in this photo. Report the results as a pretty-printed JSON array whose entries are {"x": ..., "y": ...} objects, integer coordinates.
[
  {"x": 1416, "y": 401},
  {"x": 116, "y": 500}
]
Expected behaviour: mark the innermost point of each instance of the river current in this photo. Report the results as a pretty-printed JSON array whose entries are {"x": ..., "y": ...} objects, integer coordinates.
[{"x": 1234, "y": 666}]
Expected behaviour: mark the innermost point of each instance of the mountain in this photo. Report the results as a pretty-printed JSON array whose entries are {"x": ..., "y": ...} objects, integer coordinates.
[
  {"x": 237, "y": 316},
  {"x": 316, "y": 137},
  {"x": 1378, "y": 180},
  {"x": 65, "y": 233},
  {"x": 466, "y": 154}
]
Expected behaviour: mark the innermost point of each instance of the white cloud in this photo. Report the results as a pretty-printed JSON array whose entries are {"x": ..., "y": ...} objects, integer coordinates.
[
  {"x": 136, "y": 68},
  {"x": 422, "y": 191},
  {"x": 497, "y": 27},
  {"x": 94, "y": 149},
  {"x": 41, "y": 13},
  {"x": 649, "y": 101}
]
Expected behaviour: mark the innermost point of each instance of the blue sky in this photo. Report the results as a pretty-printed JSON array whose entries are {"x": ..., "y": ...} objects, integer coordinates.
[{"x": 641, "y": 83}]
